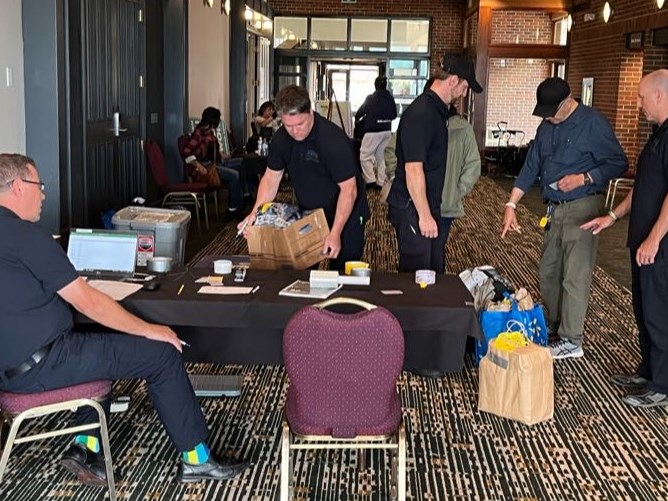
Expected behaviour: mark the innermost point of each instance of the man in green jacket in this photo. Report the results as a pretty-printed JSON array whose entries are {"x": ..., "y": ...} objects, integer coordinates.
[{"x": 462, "y": 169}]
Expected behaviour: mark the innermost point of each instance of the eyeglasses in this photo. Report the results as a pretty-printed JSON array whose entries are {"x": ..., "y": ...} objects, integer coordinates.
[{"x": 38, "y": 183}]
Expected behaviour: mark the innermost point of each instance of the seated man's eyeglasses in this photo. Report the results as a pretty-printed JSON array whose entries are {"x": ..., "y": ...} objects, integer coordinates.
[{"x": 38, "y": 183}]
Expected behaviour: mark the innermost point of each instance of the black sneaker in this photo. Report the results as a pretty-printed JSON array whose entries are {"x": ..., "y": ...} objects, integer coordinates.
[
  {"x": 86, "y": 465},
  {"x": 628, "y": 380},
  {"x": 213, "y": 469}
]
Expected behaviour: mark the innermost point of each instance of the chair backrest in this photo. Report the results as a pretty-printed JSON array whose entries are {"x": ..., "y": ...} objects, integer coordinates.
[
  {"x": 343, "y": 368},
  {"x": 156, "y": 162}
]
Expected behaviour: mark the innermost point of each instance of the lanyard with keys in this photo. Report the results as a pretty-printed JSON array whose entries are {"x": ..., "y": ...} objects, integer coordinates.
[{"x": 546, "y": 220}]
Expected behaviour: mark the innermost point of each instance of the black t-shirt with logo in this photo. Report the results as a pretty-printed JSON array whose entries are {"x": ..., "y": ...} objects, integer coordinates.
[{"x": 317, "y": 164}]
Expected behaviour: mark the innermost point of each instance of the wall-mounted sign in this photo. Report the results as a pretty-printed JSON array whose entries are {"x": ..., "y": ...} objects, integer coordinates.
[
  {"x": 635, "y": 40},
  {"x": 589, "y": 17}
]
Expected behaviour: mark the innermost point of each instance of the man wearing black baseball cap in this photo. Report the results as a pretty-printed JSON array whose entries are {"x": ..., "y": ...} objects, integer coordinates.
[
  {"x": 422, "y": 146},
  {"x": 575, "y": 154}
]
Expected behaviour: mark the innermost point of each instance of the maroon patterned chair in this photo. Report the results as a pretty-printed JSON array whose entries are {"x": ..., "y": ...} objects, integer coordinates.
[
  {"x": 18, "y": 407},
  {"x": 343, "y": 371}
]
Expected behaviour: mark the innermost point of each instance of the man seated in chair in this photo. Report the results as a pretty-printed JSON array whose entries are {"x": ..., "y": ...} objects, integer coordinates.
[{"x": 40, "y": 350}]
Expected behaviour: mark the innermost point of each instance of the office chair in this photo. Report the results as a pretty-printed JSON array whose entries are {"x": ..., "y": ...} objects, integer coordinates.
[
  {"x": 18, "y": 407},
  {"x": 343, "y": 370}
]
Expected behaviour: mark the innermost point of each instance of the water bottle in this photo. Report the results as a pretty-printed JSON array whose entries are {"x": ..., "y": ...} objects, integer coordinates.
[
  {"x": 265, "y": 147},
  {"x": 259, "y": 147}
]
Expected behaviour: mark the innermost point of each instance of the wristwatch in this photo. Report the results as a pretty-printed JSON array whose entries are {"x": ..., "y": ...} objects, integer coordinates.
[{"x": 587, "y": 178}]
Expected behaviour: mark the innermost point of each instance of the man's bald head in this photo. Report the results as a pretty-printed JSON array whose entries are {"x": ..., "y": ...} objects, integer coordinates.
[{"x": 653, "y": 96}]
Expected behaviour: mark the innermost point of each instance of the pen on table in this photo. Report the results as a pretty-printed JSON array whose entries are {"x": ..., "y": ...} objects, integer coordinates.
[
  {"x": 184, "y": 343},
  {"x": 243, "y": 227},
  {"x": 255, "y": 289},
  {"x": 180, "y": 290}
]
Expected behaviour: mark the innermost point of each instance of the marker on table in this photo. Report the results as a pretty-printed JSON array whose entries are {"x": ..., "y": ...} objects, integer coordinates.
[
  {"x": 180, "y": 290},
  {"x": 255, "y": 289},
  {"x": 184, "y": 343}
]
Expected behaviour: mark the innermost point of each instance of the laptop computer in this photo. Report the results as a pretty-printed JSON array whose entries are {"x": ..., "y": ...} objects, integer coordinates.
[
  {"x": 215, "y": 386},
  {"x": 103, "y": 254}
]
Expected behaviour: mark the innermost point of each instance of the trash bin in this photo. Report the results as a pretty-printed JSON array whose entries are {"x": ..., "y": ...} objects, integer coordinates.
[{"x": 162, "y": 232}]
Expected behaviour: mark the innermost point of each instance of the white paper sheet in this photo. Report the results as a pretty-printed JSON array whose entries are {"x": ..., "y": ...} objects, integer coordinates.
[
  {"x": 208, "y": 289},
  {"x": 117, "y": 290}
]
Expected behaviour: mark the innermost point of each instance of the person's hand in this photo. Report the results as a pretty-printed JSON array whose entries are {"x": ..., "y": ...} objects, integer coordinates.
[
  {"x": 225, "y": 156},
  {"x": 200, "y": 169},
  {"x": 332, "y": 246},
  {"x": 597, "y": 225},
  {"x": 570, "y": 182},
  {"x": 428, "y": 227},
  {"x": 164, "y": 334},
  {"x": 509, "y": 222},
  {"x": 249, "y": 220},
  {"x": 647, "y": 252}
]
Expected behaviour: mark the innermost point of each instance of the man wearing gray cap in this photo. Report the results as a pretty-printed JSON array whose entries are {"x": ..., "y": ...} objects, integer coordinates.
[
  {"x": 575, "y": 154},
  {"x": 422, "y": 147}
]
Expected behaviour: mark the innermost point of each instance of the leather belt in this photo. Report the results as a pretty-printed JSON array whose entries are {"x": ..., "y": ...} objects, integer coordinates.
[
  {"x": 561, "y": 202},
  {"x": 31, "y": 362}
]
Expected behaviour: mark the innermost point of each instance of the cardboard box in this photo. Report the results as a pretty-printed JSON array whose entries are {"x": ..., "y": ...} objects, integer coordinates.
[{"x": 296, "y": 247}]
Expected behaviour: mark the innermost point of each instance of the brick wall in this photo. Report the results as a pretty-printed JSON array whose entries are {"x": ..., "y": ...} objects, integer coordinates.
[
  {"x": 512, "y": 93},
  {"x": 446, "y": 16},
  {"x": 523, "y": 27},
  {"x": 654, "y": 58}
]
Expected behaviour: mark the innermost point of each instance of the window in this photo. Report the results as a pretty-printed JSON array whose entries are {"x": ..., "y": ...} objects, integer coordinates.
[
  {"x": 409, "y": 35},
  {"x": 290, "y": 32},
  {"x": 406, "y": 80},
  {"x": 329, "y": 34},
  {"x": 368, "y": 35}
]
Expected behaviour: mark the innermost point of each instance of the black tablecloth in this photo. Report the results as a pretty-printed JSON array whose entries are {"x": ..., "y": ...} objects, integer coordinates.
[{"x": 248, "y": 329}]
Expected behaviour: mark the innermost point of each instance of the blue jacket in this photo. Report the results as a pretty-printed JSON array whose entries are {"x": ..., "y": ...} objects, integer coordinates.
[
  {"x": 377, "y": 112},
  {"x": 584, "y": 142}
]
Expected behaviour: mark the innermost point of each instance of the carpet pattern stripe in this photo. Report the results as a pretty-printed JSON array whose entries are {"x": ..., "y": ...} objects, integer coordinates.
[{"x": 595, "y": 448}]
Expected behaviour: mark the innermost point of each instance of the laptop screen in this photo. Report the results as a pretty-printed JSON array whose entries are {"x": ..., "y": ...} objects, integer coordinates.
[{"x": 104, "y": 252}]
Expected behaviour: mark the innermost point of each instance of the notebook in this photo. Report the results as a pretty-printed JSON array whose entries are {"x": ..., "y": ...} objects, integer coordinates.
[{"x": 103, "y": 254}]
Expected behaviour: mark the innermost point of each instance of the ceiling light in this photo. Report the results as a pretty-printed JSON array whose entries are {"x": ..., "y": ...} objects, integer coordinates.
[
  {"x": 659, "y": 4},
  {"x": 248, "y": 15},
  {"x": 569, "y": 22},
  {"x": 227, "y": 7},
  {"x": 607, "y": 12}
]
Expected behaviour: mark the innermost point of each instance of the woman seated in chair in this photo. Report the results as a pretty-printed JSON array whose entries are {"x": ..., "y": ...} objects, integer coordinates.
[
  {"x": 205, "y": 147},
  {"x": 266, "y": 119}
]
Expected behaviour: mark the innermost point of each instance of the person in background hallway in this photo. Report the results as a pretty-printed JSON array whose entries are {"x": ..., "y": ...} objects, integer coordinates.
[
  {"x": 324, "y": 174},
  {"x": 647, "y": 203},
  {"x": 266, "y": 117},
  {"x": 40, "y": 351},
  {"x": 575, "y": 154},
  {"x": 376, "y": 115},
  {"x": 203, "y": 150},
  {"x": 422, "y": 146}
]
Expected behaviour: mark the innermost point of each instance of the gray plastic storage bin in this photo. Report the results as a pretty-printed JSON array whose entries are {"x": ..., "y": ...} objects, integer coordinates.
[{"x": 169, "y": 229}]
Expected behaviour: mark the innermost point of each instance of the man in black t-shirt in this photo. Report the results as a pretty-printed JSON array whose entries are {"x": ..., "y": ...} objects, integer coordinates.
[
  {"x": 40, "y": 351},
  {"x": 320, "y": 160},
  {"x": 648, "y": 204},
  {"x": 422, "y": 147}
]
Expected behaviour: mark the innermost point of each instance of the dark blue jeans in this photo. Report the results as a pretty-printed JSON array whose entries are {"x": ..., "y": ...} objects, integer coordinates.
[{"x": 230, "y": 174}]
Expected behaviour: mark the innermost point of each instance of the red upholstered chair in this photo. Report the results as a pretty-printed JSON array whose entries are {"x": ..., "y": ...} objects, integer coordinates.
[
  {"x": 182, "y": 193},
  {"x": 18, "y": 407},
  {"x": 343, "y": 371},
  {"x": 181, "y": 143}
]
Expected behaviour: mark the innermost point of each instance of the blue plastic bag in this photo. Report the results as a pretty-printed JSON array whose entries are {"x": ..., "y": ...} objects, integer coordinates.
[{"x": 493, "y": 323}]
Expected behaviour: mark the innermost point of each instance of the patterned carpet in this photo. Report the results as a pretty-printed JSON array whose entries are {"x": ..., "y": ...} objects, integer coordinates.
[{"x": 595, "y": 448}]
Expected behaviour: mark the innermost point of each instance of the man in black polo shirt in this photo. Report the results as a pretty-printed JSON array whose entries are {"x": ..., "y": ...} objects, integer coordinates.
[
  {"x": 41, "y": 352},
  {"x": 422, "y": 147},
  {"x": 323, "y": 172},
  {"x": 648, "y": 204}
]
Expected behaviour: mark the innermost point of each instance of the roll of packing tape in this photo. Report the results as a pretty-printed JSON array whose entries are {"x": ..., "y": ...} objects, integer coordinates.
[
  {"x": 426, "y": 277},
  {"x": 222, "y": 266},
  {"x": 350, "y": 265},
  {"x": 361, "y": 272}
]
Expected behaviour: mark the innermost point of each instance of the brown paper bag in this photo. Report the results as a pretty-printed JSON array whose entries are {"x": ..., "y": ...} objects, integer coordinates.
[{"x": 517, "y": 384}]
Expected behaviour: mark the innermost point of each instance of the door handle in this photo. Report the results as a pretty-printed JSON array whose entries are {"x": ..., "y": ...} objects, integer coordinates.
[{"x": 116, "y": 120}]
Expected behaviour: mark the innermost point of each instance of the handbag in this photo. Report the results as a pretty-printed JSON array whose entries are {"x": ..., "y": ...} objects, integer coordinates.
[
  {"x": 211, "y": 178},
  {"x": 493, "y": 323}
]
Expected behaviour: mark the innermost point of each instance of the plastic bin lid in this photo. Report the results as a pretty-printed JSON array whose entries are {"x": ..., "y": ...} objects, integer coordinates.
[{"x": 152, "y": 215}]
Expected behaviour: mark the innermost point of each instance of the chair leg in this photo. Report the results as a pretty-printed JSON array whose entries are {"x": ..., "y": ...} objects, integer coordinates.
[
  {"x": 206, "y": 211},
  {"x": 7, "y": 449},
  {"x": 215, "y": 203},
  {"x": 286, "y": 466},
  {"x": 608, "y": 204},
  {"x": 401, "y": 483},
  {"x": 106, "y": 447}
]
